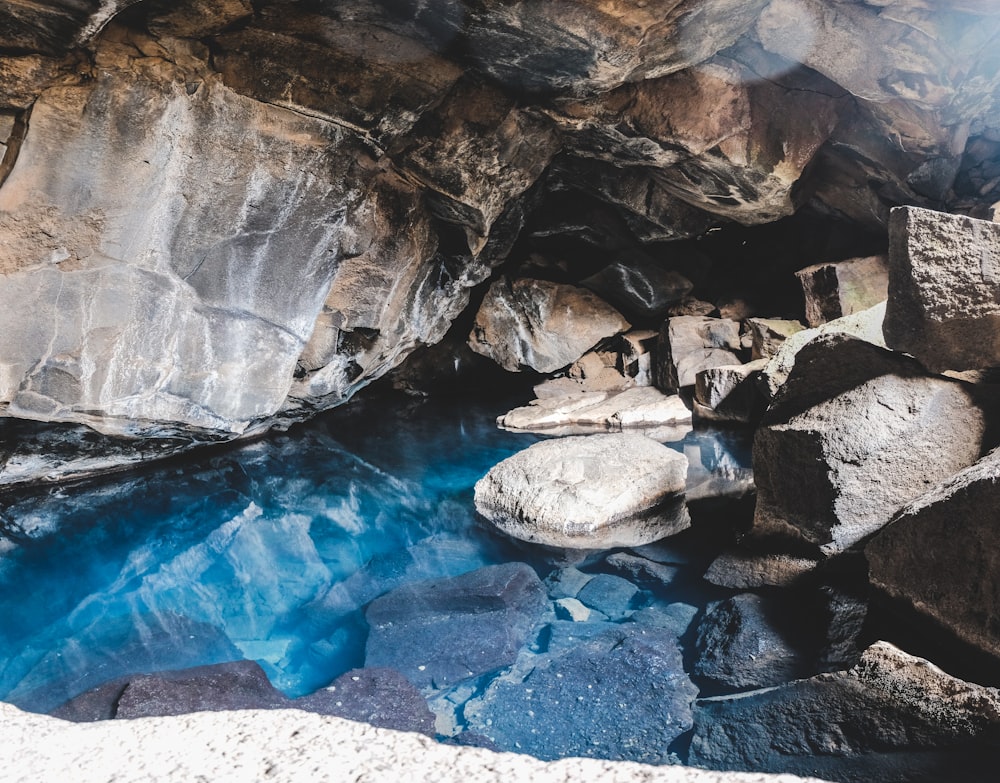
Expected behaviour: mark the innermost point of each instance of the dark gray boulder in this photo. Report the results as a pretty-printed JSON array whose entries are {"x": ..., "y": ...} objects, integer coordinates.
[
  {"x": 440, "y": 631},
  {"x": 621, "y": 695},
  {"x": 743, "y": 644}
]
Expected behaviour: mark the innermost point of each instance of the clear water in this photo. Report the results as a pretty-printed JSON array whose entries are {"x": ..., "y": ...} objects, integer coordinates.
[{"x": 268, "y": 551}]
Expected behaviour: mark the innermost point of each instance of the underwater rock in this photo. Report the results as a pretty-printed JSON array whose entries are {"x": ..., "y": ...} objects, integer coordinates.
[
  {"x": 689, "y": 344},
  {"x": 540, "y": 325},
  {"x": 743, "y": 643},
  {"x": 610, "y": 595},
  {"x": 621, "y": 694},
  {"x": 842, "y": 288},
  {"x": 944, "y": 289},
  {"x": 440, "y": 631},
  {"x": 587, "y": 492},
  {"x": 938, "y": 555},
  {"x": 852, "y": 417},
  {"x": 893, "y": 717}
]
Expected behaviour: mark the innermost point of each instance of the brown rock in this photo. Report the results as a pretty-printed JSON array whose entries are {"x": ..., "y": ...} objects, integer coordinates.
[{"x": 843, "y": 288}]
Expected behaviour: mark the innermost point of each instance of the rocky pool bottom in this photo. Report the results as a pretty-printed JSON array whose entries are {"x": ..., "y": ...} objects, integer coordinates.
[{"x": 340, "y": 568}]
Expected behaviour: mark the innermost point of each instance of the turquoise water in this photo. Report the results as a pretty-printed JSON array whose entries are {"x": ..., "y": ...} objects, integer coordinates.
[{"x": 268, "y": 551}]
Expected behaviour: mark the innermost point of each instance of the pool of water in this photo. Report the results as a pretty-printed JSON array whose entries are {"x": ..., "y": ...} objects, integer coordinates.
[{"x": 270, "y": 551}]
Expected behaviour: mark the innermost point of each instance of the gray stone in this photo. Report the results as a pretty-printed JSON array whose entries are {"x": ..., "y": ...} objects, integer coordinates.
[
  {"x": 729, "y": 393},
  {"x": 641, "y": 288},
  {"x": 944, "y": 289},
  {"x": 379, "y": 697},
  {"x": 572, "y": 609},
  {"x": 865, "y": 325},
  {"x": 610, "y": 595},
  {"x": 939, "y": 557},
  {"x": 541, "y": 325},
  {"x": 566, "y": 582},
  {"x": 769, "y": 334},
  {"x": 689, "y": 344},
  {"x": 622, "y": 694},
  {"x": 834, "y": 290},
  {"x": 638, "y": 407},
  {"x": 441, "y": 631},
  {"x": 675, "y": 618},
  {"x": 587, "y": 492},
  {"x": 852, "y": 417},
  {"x": 893, "y": 716},
  {"x": 742, "y": 644},
  {"x": 641, "y": 569},
  {"x": 741, "y": 570}
]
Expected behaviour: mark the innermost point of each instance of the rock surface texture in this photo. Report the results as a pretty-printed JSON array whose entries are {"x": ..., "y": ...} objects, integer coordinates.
[
  {"x": 944, "y": 280},
  {"x": 588, "y": 492}
]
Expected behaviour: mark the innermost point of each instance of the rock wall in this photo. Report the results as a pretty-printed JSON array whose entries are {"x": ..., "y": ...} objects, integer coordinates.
[{"x": 216, "y": 217}]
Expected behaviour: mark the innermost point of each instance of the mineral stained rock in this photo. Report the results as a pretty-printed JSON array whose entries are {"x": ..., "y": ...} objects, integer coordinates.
[{"x": 587, "y": 492}]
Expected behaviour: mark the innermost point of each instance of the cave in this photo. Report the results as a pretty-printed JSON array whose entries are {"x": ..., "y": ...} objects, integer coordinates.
[{"x": 466, "y": 389}]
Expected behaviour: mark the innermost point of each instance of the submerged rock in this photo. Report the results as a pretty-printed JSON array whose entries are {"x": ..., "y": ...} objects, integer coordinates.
[
  {"x": 944, "y": 289},
  {"x": 744, "y": 642},
  {"x": 587, "y": 492},
  {"x": 893, "y": 717},
  {"x": 541, "y": 325},
  {"x": 441, "y": 631},
  {"x": 621, "y": 694},
  {"x": 856, "y": 433}
]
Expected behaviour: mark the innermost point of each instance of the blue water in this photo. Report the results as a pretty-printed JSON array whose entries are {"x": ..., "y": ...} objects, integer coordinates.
[{"x": 268, "y": 551}]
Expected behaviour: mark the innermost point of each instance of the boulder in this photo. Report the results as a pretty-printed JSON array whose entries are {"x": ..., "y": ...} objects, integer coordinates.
[
  {"x": 866, "y": 325},
  {"x": 893, "y": 717},
  {"x": 767, "y": 335},
  {"x": 441, "y": 631},
  {"x": 729, "y": 393},
  {"x": 587, "y": 492},
  {"x": 744, "y": 642},
  {"x": 610, "y": 595},
  {"x": 944, "y": 289},
  {"x": 621, "y": 694},
  {"x": 641, "y": 288},
  {"x": 841, "y": 288},
  {"x": 582, "y": 412},
  {"x": 377, "y": 696},
  {"x": 538, "y": 325},
  {"x": 939, "y": 556},
  {"x": 855, "y": 434},
  {"x": 641, "y": 569},
  {"x": 689, "y": 344}
]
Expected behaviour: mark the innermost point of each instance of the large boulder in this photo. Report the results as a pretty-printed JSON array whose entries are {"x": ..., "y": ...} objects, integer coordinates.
[
  {"x": 620, "y": 693},
  {"x": 855, "y": 434},
  {"x": 440, "y": 631},
  {"x": 587, "y": 492},
  {"x": 944, "y": 289},
  {"x": 893, "y": 717},
  {"x": 939, "y": 555},
  {"x": 543, "y": 326}
]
